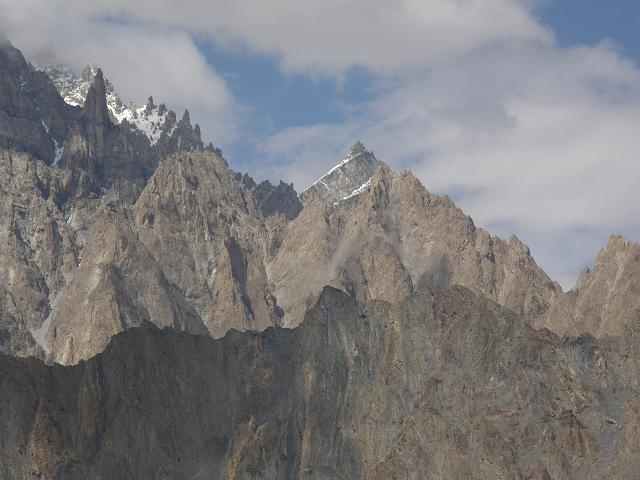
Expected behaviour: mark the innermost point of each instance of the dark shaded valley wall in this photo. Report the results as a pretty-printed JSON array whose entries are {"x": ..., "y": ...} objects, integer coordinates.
[{"x": 441, "y": 385}]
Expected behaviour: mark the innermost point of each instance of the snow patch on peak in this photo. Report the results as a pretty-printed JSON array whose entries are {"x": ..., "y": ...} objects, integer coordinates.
[
  {"x": 362, "y": 188},
  {"x": 356, "y": 151},
  {"x": 342, "y": 163},
  {"x": 72, "y": 88},
  {"x": 148, "y": 119},
  {"x": 358, "y": 190}
]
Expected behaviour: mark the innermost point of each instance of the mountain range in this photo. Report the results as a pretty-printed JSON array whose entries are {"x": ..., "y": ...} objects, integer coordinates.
[{"x": 163, "y": 316}]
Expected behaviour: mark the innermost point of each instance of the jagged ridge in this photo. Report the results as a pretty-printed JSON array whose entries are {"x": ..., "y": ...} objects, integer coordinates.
[{"x": 444, "y": 385}]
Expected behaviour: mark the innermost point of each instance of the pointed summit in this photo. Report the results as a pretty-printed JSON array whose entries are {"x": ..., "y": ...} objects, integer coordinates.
[
  {"x": 186, "y": 120},
  {"x": 95, "y": 110},
  {"x": 357, "y": 148},
  {"x": 150, "y": 107},
  {"x": 347, "y": 178}
]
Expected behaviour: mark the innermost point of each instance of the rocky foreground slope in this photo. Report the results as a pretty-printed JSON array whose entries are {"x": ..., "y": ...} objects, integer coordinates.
[
  {"x": 417, "y": 345},
  {"x": 440, "y": 385}
]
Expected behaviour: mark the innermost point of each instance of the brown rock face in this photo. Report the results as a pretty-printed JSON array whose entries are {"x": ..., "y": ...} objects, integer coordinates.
[
  {"x": 442, "y": 385},
  {"x": 605, "y": 299},
  {"x": 189, "y": 254},
  {"x": 393, "y": 235},
  {"x": 38, "y": 246},
  {"x": 210, "y": 239},
  {"x": 118, "y": 285}
]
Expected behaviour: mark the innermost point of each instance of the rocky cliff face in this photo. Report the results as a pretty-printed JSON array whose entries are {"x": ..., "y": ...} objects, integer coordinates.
[
  {"x": 33, "y": 117},
  {"x": 606, "y": 297},
  {"x": 189, "y": 254},
  {"x": 389, "y": 236},
  {"x": 211, "y": 237},
  {"x": 441, "y": 385},
  {"x": 41, "y": 243},
  {"x": 272, "y": 199},
  {"x": 123, "y": 152}
]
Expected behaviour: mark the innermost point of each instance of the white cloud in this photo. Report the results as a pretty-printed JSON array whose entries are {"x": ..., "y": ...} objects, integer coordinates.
[
  {"x": 534, "y": 140},
  {"x": 326, "y": 36},
  {"x": 316, "y": 36}
]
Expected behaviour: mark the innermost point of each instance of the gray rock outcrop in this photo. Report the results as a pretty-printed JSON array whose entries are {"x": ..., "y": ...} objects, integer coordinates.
[
  {"x": 441, "y": 385},
  {"x": 606, "y": 298},
  {"x": 189, "y": 254},
  {"x": 272, "y": 199},
  {"x": 390, "y": 236},
  {"x": 33, "y": 117}
]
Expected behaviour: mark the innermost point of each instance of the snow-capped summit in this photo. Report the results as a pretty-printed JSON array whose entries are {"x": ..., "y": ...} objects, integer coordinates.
[
  {"x": 347, "y": 179},
  {"x": 73, "y": 89},
  {"x": 148, "y": 118}
]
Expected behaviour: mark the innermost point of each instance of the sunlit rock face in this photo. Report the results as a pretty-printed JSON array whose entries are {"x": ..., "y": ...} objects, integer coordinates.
[
  {"x": 606, "y": 298},
  {"x": 388, "y": 236}
]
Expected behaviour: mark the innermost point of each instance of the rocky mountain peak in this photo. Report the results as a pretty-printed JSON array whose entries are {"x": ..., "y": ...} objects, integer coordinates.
[
  {"x": 150, "y": 119},
  {"x": 619, "y": 243},
  {"x": 347, "y": 178},
  {"x": 618, "y": 252},
  {"x": 272, "y": 199},
  {"x": 357, "y": 148},
  {"x": 606, "y": 298},
  {"x": 164, "y": 133},
  {"x": 519, "y": 246},
  {"x": 186, "y": 119},
  {"x": 150, "y": 107},
  {"x": 95, "y": 110}
]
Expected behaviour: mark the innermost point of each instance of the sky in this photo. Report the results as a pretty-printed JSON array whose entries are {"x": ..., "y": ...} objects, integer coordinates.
[{"x": 525, "y": 112}]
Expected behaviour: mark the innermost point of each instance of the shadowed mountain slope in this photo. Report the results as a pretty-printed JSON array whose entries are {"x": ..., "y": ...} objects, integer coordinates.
[{"x": 442, "y": 385}]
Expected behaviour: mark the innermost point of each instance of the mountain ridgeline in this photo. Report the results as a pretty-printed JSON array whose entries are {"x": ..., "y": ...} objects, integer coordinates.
[{"x": 162, "y": 316}]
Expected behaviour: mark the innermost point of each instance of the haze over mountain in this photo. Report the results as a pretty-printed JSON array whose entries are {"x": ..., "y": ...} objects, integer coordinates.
[{"x": 184, "y": 321}]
